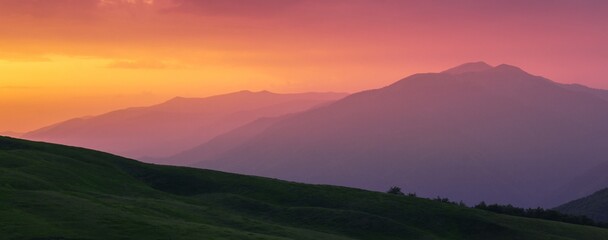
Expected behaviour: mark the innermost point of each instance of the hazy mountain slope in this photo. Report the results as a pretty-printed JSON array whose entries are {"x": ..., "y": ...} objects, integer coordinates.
[
  {"x": 221, "y": 143},
  {"x": 600, "y": 93},
  {"x": 584, "y": 184},
  {"x": 176, "y": 125},
  {"x": 594, "y": 206},
  {"x": 57, "y": 192},
  {"x": 499, "y": 135}
]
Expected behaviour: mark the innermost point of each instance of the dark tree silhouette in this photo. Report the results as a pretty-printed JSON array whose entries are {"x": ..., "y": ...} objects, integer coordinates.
[
  {"x": 541, "y": 213},
  {"x": 395, "y": 190}
]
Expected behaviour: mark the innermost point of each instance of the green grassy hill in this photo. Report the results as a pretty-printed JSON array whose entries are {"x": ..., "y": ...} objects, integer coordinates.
[
  {"x": 594, "y": 206},
  {"x": 56, "y": 192}
]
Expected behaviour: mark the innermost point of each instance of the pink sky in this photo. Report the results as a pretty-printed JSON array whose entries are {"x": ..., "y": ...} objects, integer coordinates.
[{"x": 82, "y": 54}]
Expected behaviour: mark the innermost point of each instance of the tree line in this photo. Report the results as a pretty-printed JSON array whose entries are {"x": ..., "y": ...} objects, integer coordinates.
[{"x": 539, "y": 213}]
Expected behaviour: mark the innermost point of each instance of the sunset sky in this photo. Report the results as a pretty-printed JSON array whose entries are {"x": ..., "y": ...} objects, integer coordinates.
[{"x": 67, "y": 58}]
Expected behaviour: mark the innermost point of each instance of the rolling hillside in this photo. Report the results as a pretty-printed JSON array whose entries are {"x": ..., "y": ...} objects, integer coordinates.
[{"x": 56, "y": 192}]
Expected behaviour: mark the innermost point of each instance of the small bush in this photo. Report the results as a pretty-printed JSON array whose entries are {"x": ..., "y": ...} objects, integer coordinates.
[{"x": 395, "y": 190}]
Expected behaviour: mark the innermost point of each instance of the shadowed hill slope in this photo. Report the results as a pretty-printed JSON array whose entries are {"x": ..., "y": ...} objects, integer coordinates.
[{"x": 56, "y": 192}]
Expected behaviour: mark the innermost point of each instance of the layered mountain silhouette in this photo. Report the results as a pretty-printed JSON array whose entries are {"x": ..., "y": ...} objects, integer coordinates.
[
  {"x": 474, "y": 132},
  {"x": 594, "y": 206},
  {"x": 176, "y": 125},
  {"x": 221, "y": 143}
]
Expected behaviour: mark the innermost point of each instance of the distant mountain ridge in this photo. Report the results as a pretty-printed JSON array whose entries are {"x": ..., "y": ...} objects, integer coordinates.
[
  {"x": 220, "y": 144},
  {"x": 600, "y": 93},
  {"x": 594, "y": 206},
  {"x": 469, "y": 67},
  {"x": 512, "y": 136},
  {"x": 11, "y": 134},
  {"x": 585, "y": 183},
  {"x": 176, "y": 125}
]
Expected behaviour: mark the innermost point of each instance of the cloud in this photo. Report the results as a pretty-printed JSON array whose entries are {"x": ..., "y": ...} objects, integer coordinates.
[
  {"x": 253, "y": 8},
  {"x": 65, "y": 9},
  {"x": 17, "y": 87},
  {"x": 138, "y": 64},
  {"x": 24, "y": 58},
  {"x": 46, "y": 8},
  {"x": 115, "y": 2}
]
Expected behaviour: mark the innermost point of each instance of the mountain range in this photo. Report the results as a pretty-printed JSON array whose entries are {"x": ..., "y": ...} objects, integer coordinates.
[
  {"x": 512, "y": 137},
  {"x": 176, "y": 125},
  {"x": 474, "y": 132}
]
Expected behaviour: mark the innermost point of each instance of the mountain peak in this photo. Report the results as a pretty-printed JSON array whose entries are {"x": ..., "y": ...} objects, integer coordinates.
[
  {"x": 507, "y": 67},
  {"x": 249, "y": 92},
  {"x": 469, "y": 67}
]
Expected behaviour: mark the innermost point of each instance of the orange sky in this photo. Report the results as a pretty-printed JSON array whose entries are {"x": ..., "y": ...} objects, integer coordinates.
[{"x": 67, "y": 58}]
